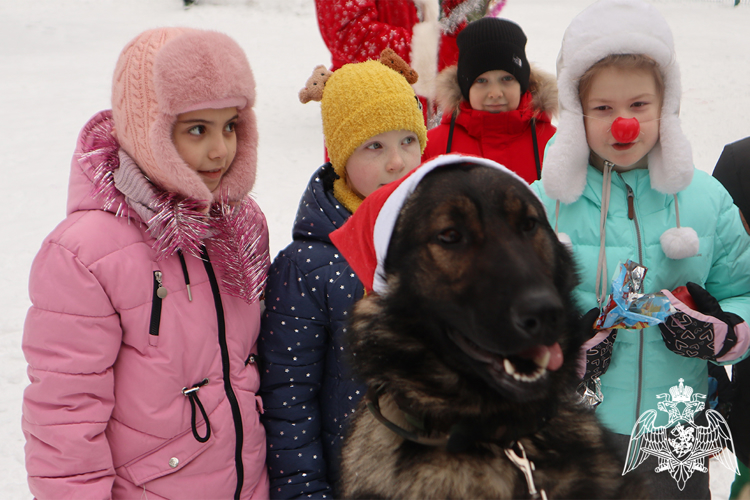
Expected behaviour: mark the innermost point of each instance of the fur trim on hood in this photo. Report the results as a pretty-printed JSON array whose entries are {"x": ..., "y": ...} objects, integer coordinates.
[
  {"x": 542, "y": 86},
  {"x": 425, "y": 40}
]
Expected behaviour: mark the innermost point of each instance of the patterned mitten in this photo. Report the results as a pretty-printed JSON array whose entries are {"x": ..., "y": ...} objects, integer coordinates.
[
  {"x": 706, "y": 333},
  {"x": 598, "y": 348}
]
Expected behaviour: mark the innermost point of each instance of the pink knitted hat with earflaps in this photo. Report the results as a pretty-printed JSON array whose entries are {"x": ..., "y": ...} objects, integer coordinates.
[{"x": 167, "y": 71}]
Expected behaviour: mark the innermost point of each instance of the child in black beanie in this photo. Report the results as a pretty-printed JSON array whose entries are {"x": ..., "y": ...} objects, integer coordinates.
[{"x": 494, "y": 104}]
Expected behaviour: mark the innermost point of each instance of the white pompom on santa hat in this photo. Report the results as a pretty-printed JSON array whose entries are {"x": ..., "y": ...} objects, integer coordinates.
[{"x": 363, "y": 240}]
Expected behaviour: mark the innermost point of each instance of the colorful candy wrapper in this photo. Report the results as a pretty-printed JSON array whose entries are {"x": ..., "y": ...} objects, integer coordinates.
[{"x": 627, "y": 307}]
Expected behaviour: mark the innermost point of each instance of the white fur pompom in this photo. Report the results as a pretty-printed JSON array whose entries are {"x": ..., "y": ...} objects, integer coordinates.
[
  {"x": 565, "y": 240},
  {"x": 679, "y": 242},
  {"x": 424, "y": 47}
]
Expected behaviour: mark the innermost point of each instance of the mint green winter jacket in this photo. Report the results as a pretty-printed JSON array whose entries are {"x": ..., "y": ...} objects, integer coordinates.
[{"x": 641, "y": 366}]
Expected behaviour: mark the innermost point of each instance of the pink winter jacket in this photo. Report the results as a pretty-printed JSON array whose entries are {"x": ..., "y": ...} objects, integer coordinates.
[{"x": 105, "y": 415}]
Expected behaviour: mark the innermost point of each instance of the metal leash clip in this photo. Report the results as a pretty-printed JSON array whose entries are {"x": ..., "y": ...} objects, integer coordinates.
[{"x": 527, "y": 467}]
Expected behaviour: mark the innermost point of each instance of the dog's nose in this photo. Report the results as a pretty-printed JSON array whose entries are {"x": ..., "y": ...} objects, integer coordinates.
[{"x": 536, "y": 312}]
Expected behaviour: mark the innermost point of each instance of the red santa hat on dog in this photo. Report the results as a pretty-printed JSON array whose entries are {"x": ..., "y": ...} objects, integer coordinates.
[{"x": 363, "y": 240}]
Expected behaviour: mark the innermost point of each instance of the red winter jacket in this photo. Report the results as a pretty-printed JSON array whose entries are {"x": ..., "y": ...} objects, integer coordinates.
[
  {"x": 503, "y": 137},
  {"x": 355, "y": 31}
]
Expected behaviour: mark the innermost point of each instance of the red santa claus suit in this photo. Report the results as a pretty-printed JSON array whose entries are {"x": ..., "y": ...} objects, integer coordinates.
[{"x": 358, "y": 30}]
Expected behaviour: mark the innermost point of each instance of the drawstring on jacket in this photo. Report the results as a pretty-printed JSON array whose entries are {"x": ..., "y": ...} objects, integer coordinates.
[
  {"x": 601, "y": 266},
  {"x": 192, "y": 395},
  {"x": 600, "y": 289},
  {"x": 535, "y": 144},
  {"x": 450, "y": 131}
]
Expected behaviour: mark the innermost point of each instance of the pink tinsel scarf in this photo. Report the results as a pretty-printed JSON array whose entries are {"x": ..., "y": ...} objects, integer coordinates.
[
  {"x": 234, "y": 233},
  {"x": 238, "y": 246}
]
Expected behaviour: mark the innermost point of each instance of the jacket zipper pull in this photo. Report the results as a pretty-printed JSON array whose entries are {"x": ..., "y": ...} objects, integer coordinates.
[
  {"x": 631, "y": 204},
  {"x": 185, "y": 274},
  {"x": 161, "y": 291}
]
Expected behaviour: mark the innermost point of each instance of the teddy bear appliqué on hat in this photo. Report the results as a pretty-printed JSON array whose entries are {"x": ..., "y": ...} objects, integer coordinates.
[{"x": 359, "y": 101}]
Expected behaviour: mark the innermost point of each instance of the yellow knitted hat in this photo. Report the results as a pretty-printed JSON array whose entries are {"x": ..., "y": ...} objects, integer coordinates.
[{"x": 362, "y": 100}]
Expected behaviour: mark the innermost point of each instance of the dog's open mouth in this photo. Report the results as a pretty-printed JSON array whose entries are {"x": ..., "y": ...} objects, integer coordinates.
[{"x": 528, "y": 366}]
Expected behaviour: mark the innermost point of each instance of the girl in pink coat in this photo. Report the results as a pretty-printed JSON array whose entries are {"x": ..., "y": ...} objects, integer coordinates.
[{"x": 141, "y": 339}]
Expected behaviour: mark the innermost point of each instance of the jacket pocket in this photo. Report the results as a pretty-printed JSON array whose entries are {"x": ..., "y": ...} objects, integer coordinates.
[
  {"x": 167, "y": 459},
  {"x": 159, "y": 293}
]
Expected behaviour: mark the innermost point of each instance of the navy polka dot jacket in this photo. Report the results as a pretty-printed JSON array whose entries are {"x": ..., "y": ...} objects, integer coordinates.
[{"x": 306, "y": 388}]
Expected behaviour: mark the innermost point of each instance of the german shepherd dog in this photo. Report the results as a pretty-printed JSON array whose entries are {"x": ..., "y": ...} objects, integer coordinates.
[{"x": 470, "y": 356}]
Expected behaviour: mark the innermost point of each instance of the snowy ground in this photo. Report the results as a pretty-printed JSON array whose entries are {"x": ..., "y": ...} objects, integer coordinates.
[{"x": 56, "y": 64}]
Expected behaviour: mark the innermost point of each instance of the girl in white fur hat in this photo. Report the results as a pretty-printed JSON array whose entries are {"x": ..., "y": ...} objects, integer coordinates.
[{"x": 619, "y": 184}]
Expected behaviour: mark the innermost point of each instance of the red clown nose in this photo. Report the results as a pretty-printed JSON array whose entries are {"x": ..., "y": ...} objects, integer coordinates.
[{"x": 625, "y": 130}]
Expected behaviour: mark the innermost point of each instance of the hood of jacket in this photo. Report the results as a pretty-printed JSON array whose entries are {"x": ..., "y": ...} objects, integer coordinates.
[
  {"x": 542, "y": 86},
  {"x": 176, "y": 223},
  {"x": 731, "y": 172},
  {"x": 319, "y": 212},
  {"x": 91, "y": 184},
  {"x": 496, "y": 127}
]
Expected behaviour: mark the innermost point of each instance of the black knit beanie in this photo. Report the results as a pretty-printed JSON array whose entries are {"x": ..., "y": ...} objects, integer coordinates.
[{"x": 490, "y": 44}]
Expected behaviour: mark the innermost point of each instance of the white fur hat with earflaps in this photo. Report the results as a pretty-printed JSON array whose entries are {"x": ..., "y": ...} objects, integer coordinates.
[{"x": 620, "y": 27}]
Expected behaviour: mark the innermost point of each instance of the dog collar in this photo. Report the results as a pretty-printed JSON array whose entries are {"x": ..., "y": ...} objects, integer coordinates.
[
  {"x": 372, "y": 399},
  {"x": 460, "y": 434},
  {"x": 454, "y": 441},
  {"x": 457, "y": 440}
]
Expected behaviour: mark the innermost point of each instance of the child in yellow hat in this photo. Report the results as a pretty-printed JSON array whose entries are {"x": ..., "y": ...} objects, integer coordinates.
[{"x": 375, "y": 134}]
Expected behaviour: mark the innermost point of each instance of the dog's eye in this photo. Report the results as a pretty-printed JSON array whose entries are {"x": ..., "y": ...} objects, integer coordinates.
[
  {"x": 449, "y": 237},
  {"x": 529, "y": 224}
]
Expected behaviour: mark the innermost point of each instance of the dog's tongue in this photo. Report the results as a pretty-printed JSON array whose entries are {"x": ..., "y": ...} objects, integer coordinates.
[
  {"x": 555, "y": 356},
  {"x": 540, "y": 352}
]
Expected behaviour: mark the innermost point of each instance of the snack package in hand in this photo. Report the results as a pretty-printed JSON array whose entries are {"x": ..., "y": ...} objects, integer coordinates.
[
  {"x": 682, "y": 294},
  {"x": 627, "y": 307}
]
